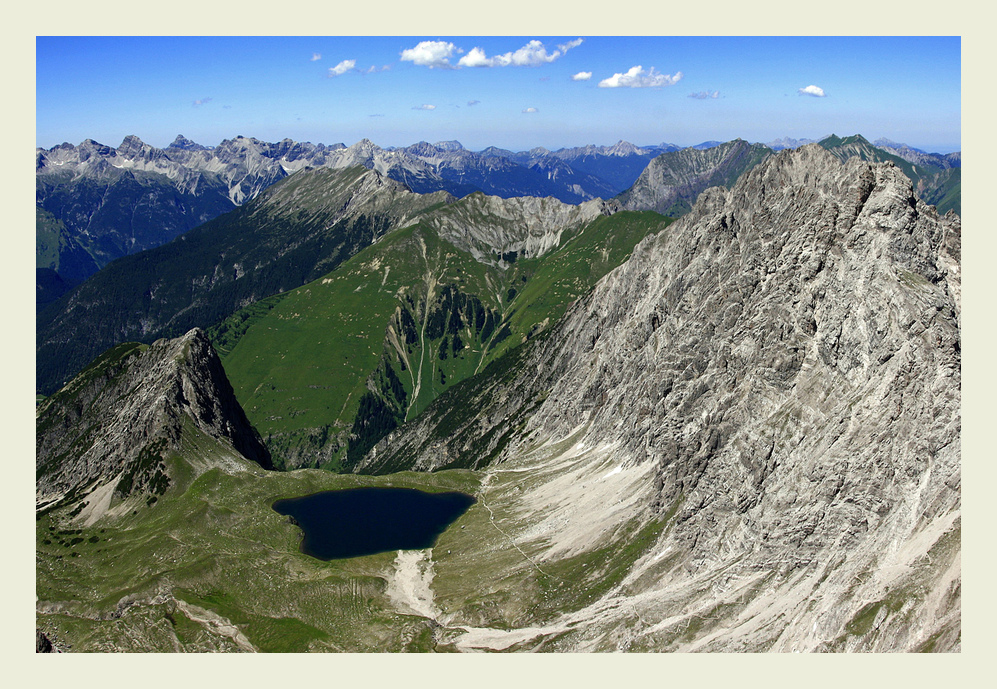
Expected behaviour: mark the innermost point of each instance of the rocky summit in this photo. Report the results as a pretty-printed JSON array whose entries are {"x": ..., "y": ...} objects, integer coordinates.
[
  {"x": 773, "y": 381},
  {"x": 110, "y": 432}
]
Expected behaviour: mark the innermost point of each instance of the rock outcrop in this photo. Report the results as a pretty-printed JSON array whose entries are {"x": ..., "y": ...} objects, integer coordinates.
[
  {"x": 116, "y": 423},
  {"x": 780, "y": 370},
  {"x": 42, "y": 643}
]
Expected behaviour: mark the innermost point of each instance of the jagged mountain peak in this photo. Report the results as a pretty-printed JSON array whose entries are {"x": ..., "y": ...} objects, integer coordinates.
[
  {"x": 366, "y": 145},
  {"x": 109, "y": 431},
  {"x": 133, "y": 148},
  {"x": 131, "y": 140},
  {"x": 92, "y": 147},
  {"x": 185, "y": 144},
  {"x": 624, "y": 148},
  {"x": 835, "y": 140},
  {"x": 496, "y": 152},
  {"x": 452, "y": 145}
]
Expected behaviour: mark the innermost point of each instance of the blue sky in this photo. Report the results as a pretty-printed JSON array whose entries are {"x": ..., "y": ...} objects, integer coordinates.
[{"x": 513, "y": 92}]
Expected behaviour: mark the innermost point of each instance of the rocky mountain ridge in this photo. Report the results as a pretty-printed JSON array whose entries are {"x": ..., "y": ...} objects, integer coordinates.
[
  {"x": 529, "y": 227},
  {"x": 108, "y": 202},
  {"x": 938, "y": 182},
  {"x": 110, "y": 432},
  {"x": 776, "y": 376},
  {"x": 744, "y": 438}
]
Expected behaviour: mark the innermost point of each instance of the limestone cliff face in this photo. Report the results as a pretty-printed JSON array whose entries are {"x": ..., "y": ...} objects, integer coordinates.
[
  {"x": 118, "y": 419},
  {"x": 485, "y": 226},
  {"x": 780, "y": 369}
]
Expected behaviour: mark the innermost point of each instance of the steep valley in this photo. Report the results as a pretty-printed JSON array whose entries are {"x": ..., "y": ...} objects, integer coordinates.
[{"x": 384, "y": 335}]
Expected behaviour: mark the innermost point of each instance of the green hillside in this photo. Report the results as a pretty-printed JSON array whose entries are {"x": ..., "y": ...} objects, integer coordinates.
[
  {"x": 325, "y": 371},
  {"x": 295, "y": 231},
  {"x": 214, "y": 538}
]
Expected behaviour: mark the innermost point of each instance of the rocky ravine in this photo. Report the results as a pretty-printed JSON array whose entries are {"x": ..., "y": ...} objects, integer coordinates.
[
  {"x": 108, "y": 433},
  {"x": 776, "y": 377}
]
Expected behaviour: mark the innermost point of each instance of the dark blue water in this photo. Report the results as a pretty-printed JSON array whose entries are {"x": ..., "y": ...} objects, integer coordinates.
[{"x": 364, "y": 521}]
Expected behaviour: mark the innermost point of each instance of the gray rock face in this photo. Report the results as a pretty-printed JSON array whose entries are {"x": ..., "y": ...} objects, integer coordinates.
[
  {"x": 116, "y": 421},
  {"x": 671, "y": 182},
  {"x": 486, "y": 225},
  {"x": 783, "y": 367}
]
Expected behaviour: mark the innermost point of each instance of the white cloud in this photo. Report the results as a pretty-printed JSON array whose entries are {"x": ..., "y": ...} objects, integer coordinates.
[
  {"x": 812, "y": 90},
  {"x": 316, "y": 56},
  {"x": 532, "y": 54},
  {"x": 476, "y": 58},
  {"x": 342, "y": 68},
  {"x": 636, "y": 77},
  {"x": 702, "y": 95},
  {"x": 531, "y": 110},
  {"x": 581, "y": 76},
  {"x": 424, "y": 106},
  {"x": 473, "y": 102},
  {"x": 431, "y": 54}
]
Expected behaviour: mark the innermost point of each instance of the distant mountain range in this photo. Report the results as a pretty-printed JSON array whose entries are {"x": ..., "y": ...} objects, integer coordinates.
[
  {"x": 919, "y": 157},
  {"x": 299, "y": 231},
  {"x": 97, "y": 203}
]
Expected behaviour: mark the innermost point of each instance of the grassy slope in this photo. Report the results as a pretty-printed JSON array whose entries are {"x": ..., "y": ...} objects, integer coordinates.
[
  {"x": 150, "y": 578},
  {"x": 216, "y": 544},
  {"x": 945, "y": 191},
  {"x": 304, "y": 361},
  {"x": 294, "y": 232}
]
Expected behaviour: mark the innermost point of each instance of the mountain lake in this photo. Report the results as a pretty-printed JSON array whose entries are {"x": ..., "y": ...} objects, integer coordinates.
[{"x": 363, "y": 521}]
